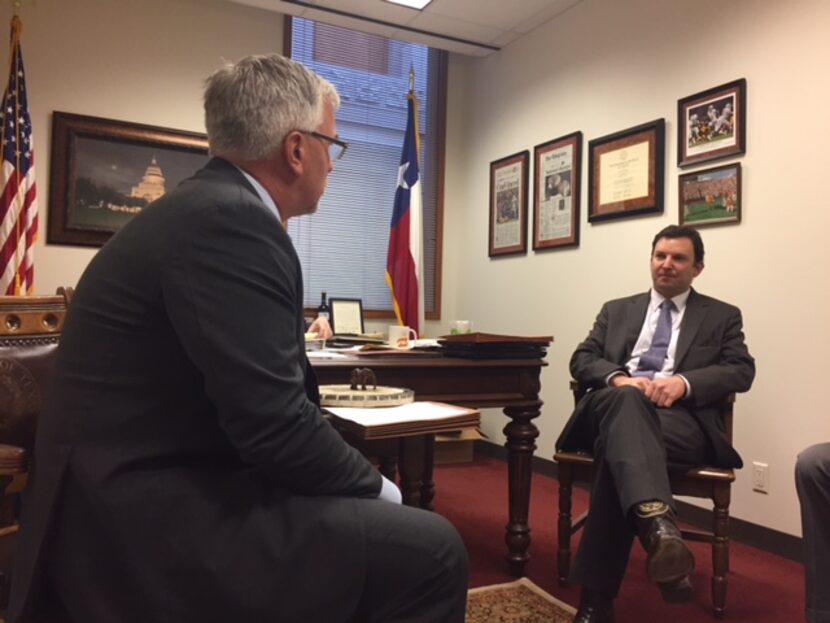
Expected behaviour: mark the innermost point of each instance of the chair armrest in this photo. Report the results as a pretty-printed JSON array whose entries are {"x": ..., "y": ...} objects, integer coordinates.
[{"x": 13, "y": 460}]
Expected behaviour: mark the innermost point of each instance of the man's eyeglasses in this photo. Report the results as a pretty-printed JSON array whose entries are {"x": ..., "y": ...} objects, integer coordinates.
[{"x": 336, "y": 147}]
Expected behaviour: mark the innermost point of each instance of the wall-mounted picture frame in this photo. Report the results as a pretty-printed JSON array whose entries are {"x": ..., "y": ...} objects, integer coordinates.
[
  {"x": 712, "y": 124},
  {"x": 626, "y": 172},
  {"x": 104, "y": 172},
  {"x": 346, "y": 316},
  {"x": 711, "y": 196},
  {"x": 557, "y": 178},
  {"x": 508, "y": 204}
]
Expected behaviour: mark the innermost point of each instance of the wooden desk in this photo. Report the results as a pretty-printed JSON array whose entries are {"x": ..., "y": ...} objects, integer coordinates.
[
  {"x": 511, "y": 384},
  {"x": 411, "y": 456}
]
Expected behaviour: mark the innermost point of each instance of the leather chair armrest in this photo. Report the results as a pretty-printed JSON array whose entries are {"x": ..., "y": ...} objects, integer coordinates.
[{"x": 13, "y": 460}]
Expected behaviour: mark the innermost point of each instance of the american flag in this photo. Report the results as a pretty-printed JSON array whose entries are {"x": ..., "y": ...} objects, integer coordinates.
[{"x": 18, "y": 205}]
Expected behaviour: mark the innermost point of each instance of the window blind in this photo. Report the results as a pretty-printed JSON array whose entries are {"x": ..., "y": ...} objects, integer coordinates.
[{"x": 343, "y": 246}]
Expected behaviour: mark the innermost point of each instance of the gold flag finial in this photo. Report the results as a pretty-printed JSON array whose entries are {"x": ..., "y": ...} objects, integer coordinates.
[{"x": 16, "y": 7}]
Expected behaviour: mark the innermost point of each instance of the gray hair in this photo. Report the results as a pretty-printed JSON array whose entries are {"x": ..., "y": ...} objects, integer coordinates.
[{"x": 251, "y": 105}]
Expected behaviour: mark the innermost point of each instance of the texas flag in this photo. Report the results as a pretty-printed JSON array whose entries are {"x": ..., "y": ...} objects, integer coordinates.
[{"x": 404, "y": 260}]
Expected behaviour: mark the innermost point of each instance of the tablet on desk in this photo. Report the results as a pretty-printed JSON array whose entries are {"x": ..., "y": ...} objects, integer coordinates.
[{"x": 339, "y": 340}]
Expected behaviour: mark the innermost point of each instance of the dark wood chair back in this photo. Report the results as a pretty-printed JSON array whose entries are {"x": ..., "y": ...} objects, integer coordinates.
[
  {"x": 30, "y": 328},
  {"x": 701, "y": 481}
]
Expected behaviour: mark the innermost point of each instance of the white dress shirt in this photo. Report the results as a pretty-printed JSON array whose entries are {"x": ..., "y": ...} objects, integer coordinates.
[{"x": 647, "y": 334}]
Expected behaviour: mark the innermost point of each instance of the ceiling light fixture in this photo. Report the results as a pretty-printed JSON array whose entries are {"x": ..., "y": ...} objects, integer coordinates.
[{"x": 412, "y": 4}]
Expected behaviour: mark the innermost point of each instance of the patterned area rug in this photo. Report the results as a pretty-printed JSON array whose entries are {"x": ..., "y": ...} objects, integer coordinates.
[{"x": 516, "y": 602}]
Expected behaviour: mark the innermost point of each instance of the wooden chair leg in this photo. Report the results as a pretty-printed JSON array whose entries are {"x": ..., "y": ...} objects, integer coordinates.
[
  {"x": 720, "y": 548},
  {"x": 563, "y": 554}
]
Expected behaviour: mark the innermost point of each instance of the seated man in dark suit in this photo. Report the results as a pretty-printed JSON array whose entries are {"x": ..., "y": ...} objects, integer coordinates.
[
  {"x": 812, "y": 480},
  {"x": 656, "y": 364},
  {"x": 183, "y": 472}
]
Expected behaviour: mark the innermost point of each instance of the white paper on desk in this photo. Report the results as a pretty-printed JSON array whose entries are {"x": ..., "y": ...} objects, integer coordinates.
[
  {"x": 325, "y": 354},
  {"x": 412, "y": 412}
]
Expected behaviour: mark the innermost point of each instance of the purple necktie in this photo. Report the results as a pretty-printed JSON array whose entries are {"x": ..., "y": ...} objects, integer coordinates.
[{"x": 652, "y": 360}]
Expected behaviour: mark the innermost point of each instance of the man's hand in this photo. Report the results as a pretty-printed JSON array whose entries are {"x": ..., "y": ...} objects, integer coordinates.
[
  {"x": 665, "y": 392},
  {"x": 640, "y": 382},
  {"x": 321, "y": 327},
  {"x": 662, "y": 392}
]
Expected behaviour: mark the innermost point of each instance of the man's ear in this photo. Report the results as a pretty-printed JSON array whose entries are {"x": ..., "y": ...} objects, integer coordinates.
[
  {"x": 294, "y": 152},
  {"x": 698, "y": 268}
]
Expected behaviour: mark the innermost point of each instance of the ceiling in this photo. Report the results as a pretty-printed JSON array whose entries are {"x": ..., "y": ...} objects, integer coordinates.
[{"x": 475, "y": 27}]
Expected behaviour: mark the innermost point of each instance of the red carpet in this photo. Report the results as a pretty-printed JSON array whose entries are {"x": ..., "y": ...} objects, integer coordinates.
[{"x": 763, "y": 588}]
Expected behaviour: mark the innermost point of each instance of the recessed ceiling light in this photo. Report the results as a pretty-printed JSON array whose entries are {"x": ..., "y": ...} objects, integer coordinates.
[{"x": 412, "y": 4}]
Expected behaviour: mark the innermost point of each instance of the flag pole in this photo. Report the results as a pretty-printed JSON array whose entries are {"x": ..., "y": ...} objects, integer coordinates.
[
  {"x": 419, "y": 221},
  {"x": 16, "y": 27}
]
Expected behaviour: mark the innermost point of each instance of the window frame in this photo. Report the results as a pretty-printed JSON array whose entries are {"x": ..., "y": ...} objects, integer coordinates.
[{"x": 440, "y": 150}]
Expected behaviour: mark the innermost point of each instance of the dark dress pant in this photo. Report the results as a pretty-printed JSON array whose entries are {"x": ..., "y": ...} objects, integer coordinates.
[
  {"x": 416, "y": 570},
  {"x": 632, "y": 443},
  {"x": 812, "y": 480},
  {"x": 417, "y": 567}
]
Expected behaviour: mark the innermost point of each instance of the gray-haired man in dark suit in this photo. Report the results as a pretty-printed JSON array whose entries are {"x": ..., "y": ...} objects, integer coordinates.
[{"x": 183, "y": 471}]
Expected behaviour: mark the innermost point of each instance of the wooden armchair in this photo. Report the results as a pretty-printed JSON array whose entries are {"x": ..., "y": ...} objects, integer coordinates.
[
  {"x": 30, "y": 328},
  {"x": 700, "y": 481}
]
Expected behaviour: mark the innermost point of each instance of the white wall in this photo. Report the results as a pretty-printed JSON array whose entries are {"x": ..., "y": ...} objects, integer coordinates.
[
  {"x": 603, "y": 66},
  {"x": 136, "y": 61},
  {"x": 607, "y": 65}
]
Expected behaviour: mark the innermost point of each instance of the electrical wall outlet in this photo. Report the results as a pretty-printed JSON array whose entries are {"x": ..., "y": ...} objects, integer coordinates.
[{"x": 760, "y": 477}]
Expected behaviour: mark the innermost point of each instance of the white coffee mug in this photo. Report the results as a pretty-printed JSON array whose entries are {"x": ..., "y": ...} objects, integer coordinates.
[
  {"x": 460, "y": 326},
  {"x": 402, "y": 337}
]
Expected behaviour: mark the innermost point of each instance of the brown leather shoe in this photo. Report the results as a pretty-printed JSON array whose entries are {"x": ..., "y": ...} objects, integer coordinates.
[
  {"x": 594, "y": 608},
  {"x": 677, "y": 592},
  {"x": 669, "y": 559}
]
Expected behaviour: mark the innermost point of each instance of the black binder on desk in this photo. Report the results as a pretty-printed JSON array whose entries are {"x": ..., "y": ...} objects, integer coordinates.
[{"x": 492, "y": 346}]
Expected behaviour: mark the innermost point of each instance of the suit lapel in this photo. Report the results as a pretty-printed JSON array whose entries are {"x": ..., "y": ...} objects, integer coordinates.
[{"x": 696, "y": 309}]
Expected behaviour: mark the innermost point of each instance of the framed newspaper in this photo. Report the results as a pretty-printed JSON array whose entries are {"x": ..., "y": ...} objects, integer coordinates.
[
  {"x": 508, "y": 204},
  {"x": 556, "y": 183}
]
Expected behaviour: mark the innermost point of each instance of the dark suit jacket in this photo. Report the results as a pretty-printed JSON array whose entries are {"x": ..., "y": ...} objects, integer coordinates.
[
  {"x": 180, "y": 466},
  {"x": 711, "y": 354}
]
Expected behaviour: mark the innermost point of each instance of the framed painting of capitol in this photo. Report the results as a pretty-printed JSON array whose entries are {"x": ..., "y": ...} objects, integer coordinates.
[
  {"x": 712, "y": 124},
  {"x": 104, "y": 172}
]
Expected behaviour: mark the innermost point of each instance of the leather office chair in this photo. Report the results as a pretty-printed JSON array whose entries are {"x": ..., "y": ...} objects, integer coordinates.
[
  {"x": 699, "y": 481},
  {"x": 30, "y": 328}
]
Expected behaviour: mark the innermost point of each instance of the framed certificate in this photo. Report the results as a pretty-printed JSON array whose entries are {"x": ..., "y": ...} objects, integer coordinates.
[
  {"x": 556, "y": 182},
  {"x": 508, "y": 204},
  {"x": 626, "y": 171},
  {"x": 346, "y": 316}
]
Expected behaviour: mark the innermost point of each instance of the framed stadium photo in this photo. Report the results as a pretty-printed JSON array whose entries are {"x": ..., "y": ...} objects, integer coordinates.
[{"x": 711, "y": 196}]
